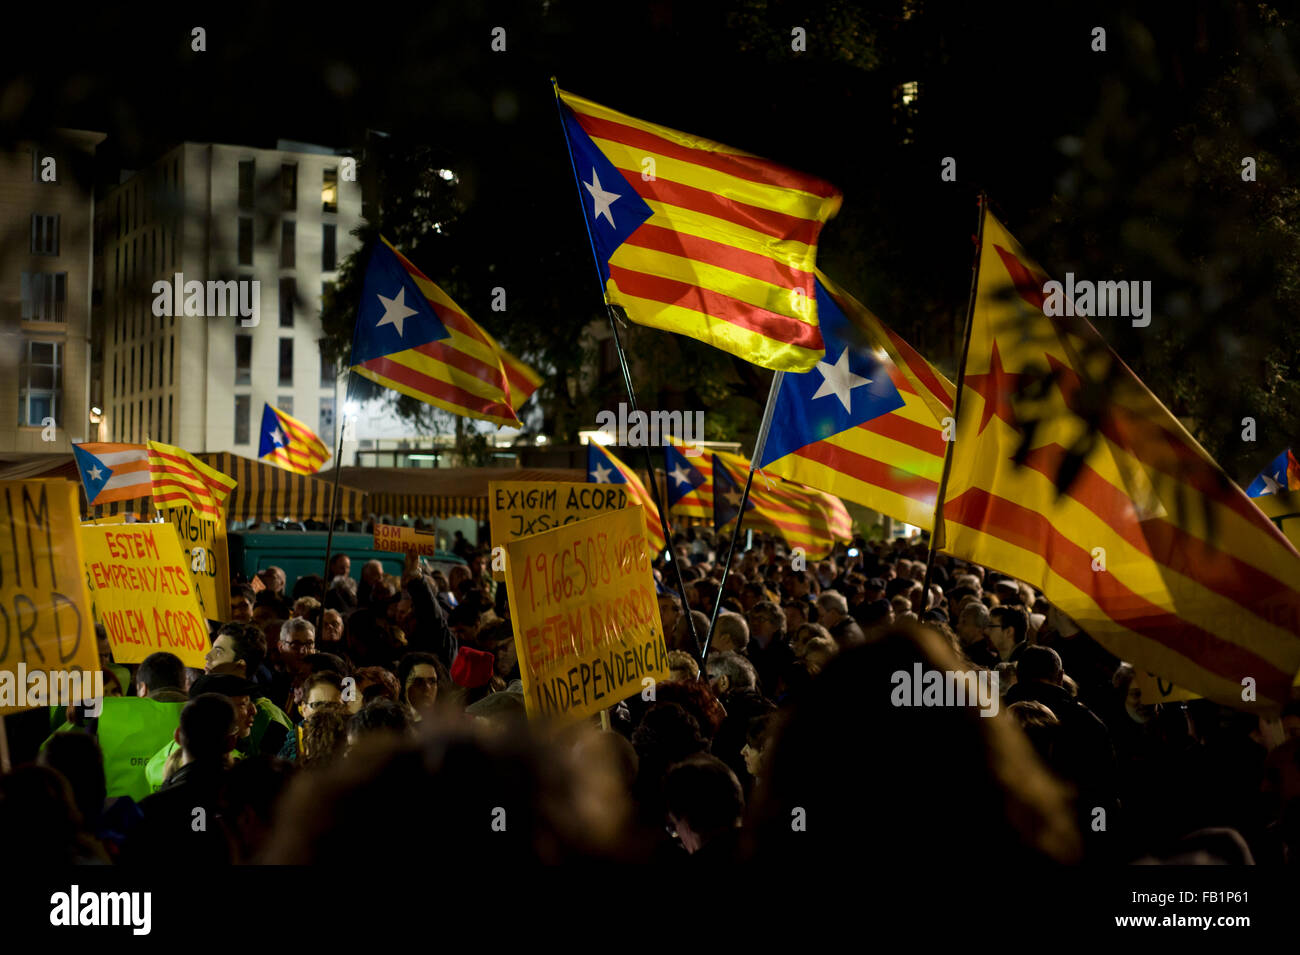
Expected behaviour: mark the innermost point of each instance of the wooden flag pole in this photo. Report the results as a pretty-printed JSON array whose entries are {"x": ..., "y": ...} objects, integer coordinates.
[
  {"x": 936, "y": 528},
  {"x": 631, "y": 395},
  {"x": 759, "y": 445}
]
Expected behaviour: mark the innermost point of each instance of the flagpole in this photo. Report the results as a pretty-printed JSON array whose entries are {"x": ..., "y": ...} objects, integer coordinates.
[
  {"x": 338, "y": 476},
  {"x": 759, "y": 445},
  {"x": 936, "y": 529},
  {"x": 631, "y": 394}
]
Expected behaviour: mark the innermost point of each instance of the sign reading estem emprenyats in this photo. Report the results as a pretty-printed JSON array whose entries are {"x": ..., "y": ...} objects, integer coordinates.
[
  {"x": 586, "y": 616},
  {"x": 520, "y": 508},
  {"x": 45, "y": 621},
  {"x": 143, "y": 592}
]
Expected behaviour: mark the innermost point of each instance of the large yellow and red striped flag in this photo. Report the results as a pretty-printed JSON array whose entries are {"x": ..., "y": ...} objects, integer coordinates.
[
  {"x": 1151, "y": 549},
  {"x": 179, "y": 478},
  {"x": 801, "y": 516},
  {"x": 892, "y": 461},
  {"x": 444, "y": 358},
  {"x": 697, "y": 238},
  {"x": 604, "y": 467},
  {"x": 288, "y": 442}
]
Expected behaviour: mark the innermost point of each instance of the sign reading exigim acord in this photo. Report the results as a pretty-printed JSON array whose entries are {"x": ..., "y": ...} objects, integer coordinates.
[{"x": 587, "y": 628}]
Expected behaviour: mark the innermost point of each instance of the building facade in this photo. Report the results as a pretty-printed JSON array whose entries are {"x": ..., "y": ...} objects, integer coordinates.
[
  {"x": 262, "y": 232},
  {"x": 47, "y": 211}
]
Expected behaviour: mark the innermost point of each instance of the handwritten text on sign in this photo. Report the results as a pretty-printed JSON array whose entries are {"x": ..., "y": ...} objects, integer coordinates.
[
  {"x": 45, "y": 618},
  {"x": 143, "y": 592},
  {"x": 207, "y": 555},
  {"x": 519, "y": 508},
  {"x": 405, "y": 540},
  {"x": 587, "y": 628}
]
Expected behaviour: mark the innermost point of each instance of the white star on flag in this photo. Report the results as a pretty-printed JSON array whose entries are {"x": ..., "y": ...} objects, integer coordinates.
[
  {"x": 1271, "y": 486},
  {"x": 680, "y": 474},
  {"x": 839, "y": 380},
  {"x": 396, "y": 311},
  {"x": 95, "y": 473},
  {"x": 601, "y": 474},
  {"x": 601, "y": 197},
  {"x": 732, "y": 497},
  {"x": 277, "y": 436}
]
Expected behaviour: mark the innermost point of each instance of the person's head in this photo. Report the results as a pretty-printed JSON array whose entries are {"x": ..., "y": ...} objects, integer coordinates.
[
  {"x": 972, "y": 623},
  {"x": 475, "y": 562},
  {"x": 104, "y": 646},
  {"x": 297, "y": 640},
  {"x": 682, "y": 666},
  {"x": 306, "y": 607},
  {"x": 756, "y": 734},
  {"x": 379, "y": 716},
  {"x": 464, "y": 621},
  {"x": 817, "y": 653},
  {"x": 833, "y": 606},
  {"x": 246, "y": 802},
  {"x": 730, "y": 633},
  {"x": 1040, "y": 663},
  {"x": 1039, "y": 723},
  {"x": 703, "y": 799},
  {"x": 321, "y": 691},
  {"x": 238, "y": 690},
  {"x": 274, "y": 580},
  {"x": 730, "y": 671},
  {"x": 421, "y": 676},
  {"x": 372, "y": 572},
  {"x": 458, "y": 574},
  {"x": 377, "y": 683},
  {"x": 340, "y": 566},
  {"x": 209, "y": 728},
  {"x": 796, "y": 614},
  {"x": 670, "y": 609},
  {"x": 806, "y": 633},
  {"x": 498, "y": 638},
  {"x": 1291, "y": 720},
  {"x": 766, "y": 622},
  {"x": 160, "y": 671},
  {"x": 77, "y": 756},
  {"x": 331, "y": 628},
  {"x": 241, "y": 644},
  {"x": 1008, "y": 625},
  {"x": 241, "y": 603}
]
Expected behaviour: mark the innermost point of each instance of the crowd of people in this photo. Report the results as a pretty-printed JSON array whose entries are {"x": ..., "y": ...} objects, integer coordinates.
[{"x": 347, "y": 714}]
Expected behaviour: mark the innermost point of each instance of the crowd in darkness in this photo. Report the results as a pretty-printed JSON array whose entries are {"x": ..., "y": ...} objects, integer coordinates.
[{"x": 337, "y": 718}]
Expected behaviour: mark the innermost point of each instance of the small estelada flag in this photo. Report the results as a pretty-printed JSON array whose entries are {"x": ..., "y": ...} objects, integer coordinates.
[
  {"x": 288, "y": 442},
  {"x": 179, "y": 479},
  {"x": 112, "y": 472}
]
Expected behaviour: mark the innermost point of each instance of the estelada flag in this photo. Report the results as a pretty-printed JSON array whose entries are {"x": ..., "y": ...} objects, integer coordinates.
[
  {"x": 1150, "y": 548},
  {"x": 179, "y": 478},
  {"x": 288, "y": 442},
  {"x": 803, "y": 517},
  {"x": 112, "y": 472},
  {"x": 411, "y": 337},
  {"x": 697, "y": 238},
  {"x": 604, "y": 467},
  {"x": 867, "y": 423},
  {"x": 1283, "y": 474}
]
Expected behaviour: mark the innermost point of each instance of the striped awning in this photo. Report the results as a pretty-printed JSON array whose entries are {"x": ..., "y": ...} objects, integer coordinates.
[{"x": 398, "y": 493}]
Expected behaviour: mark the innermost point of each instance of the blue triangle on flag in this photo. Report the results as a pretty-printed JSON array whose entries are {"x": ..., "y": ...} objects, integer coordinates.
[
  {"x": 393, "y": 315},
  {"x": 94, "y": 472},
  {"x": 683, "y": 476}
]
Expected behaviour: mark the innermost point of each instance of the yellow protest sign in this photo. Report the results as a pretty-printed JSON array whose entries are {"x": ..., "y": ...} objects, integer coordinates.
[
  {"x": 143, "y": 592},
  {"x": 405, "y": 540},
  {"x": 586, "y": 617},
  {"x": 47, "y": 637},
  {"x": 519, "y": 508},
  {"x": 203, "y": 543}
]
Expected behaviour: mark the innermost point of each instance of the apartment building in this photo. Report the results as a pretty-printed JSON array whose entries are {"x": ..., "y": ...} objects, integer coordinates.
[
  {"x": 47, "y": 211},
  {"x": 274, "y": 220}
]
